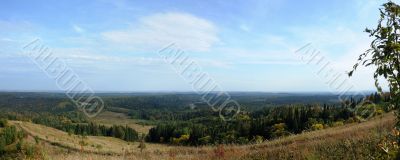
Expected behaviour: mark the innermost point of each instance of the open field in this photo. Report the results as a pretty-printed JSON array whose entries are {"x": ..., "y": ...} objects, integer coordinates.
[
  {"x": 109, "y": 118},
  {"x": 302, "y": 146}
]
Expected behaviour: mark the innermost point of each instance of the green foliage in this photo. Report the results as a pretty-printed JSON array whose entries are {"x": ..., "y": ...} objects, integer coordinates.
[
  {"x": 266, "y": 118},
  {"x": 87, "y": 129},
  {"x": 337, "y": 123},
  {"x": 30, "y": 150},
  {"x": 18, "y": 146},
  {"x": 242, "y": 140},
  {"x": 3, "y": 123},
  {"x": 384, "y": 53},
  {"x": 385, "y": 48},
  {"x": 2, "y": 144},
  {"x": 36, "y": 139},
  {"x": 204, "y": 140},
  {"x": 9, "y": 135},
  {"x": 181, "y": 140},
  {"x": 258, "y": 139},
  {"x": 317, "y": 126},
  {"x": 21, "y": 134},
  {"x": 279, "y": 130},
  {"x": 269, "y": 123}
]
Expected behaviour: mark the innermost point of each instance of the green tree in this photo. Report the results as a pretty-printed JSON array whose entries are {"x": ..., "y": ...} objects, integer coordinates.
[{"x": 384, "y": 53}]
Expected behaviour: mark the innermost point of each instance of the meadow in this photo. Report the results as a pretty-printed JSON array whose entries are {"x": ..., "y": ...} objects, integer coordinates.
[{"x": 352, "y": 141}]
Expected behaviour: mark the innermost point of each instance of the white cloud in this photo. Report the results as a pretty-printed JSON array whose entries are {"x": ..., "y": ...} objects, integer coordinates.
[
  {"x": 85, "y": 59},
  {"x": 77, "y": 29},
  {"x": 244, "y": 27},
  {"x": 7, "y": 40},
  {"x": 153, "y": 32},
  {"x": 80, "y": 56}
]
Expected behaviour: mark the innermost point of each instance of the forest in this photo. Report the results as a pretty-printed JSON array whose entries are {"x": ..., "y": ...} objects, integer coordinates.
[
  {"x": 268, "y": 123},
  {"x": 178, "y": 124}
]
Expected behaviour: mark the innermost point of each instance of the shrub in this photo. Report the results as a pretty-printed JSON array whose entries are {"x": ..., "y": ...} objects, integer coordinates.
[
  {"x": 258, "y": 139},
  {"x": 337, "y": 123},
  {"x": 242, "y": 140},
  {"x": 379, "y": 112},
  {"x": 279, "y": 130},
  {"x": 10, "y": 135},
  {"x": 3, "y": 123},
  {"x": 18, "y": 146},
  {"x": 21, "y": 134},
  {"x": 181, "y": 140},
  {"x": 205, "y": 140},
  {"x": 36, "y": 139},
  {"x": 317, "y": 126},
  {"x": 30, "y": 150}
]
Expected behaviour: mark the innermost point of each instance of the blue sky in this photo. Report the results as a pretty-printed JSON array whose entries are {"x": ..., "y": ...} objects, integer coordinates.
[{"x": 242, "y": 45}]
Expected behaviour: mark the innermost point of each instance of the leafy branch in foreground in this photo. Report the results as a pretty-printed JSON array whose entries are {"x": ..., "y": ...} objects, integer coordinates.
[{"x": 384, "y": 53}]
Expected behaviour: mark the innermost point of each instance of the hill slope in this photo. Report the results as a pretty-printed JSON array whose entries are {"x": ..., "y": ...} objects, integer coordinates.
[{"x": 353, "y": 141}]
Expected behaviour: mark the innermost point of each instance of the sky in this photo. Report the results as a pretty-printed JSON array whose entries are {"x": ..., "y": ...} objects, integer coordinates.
[{"x": 243, "y": 45}]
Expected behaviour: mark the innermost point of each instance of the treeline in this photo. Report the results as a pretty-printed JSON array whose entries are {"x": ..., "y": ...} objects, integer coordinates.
[
  {"x": 269, "y": 123},
  {"x": 153, "y": 106},
  {"x": 87, "y": 129},
  {"x": 72, "y": 122}
]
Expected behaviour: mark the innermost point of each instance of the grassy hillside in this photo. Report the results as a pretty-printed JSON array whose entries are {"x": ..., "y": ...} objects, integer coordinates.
[
  {"x": 109, "y": 118},
  {"x": 353, "y": 141}
]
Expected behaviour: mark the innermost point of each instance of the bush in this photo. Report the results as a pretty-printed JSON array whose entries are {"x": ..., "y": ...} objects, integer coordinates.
[
  {"x": 30, "y": 150},
  {"x": 317, "y": 126},
  {"x": 379, "y": 112},
  {"x": 258, "y": 139},
  {"x": 3, "y": 123},
  {"x": 279, "y": 130},
  {"x": 181, "y": 140},
  {"x": 19, "y": 146},
  {"x": 205, "y": 140},
  {"x": 337, "y": 123},
  {"x": 36, "y": 139},
  {"x": 10, "y": 135},
  {"x": 242, "y": 140}
]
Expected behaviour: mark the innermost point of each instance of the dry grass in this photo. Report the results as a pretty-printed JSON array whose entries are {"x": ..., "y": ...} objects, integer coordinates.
[
  {"x": 109, "y": 118},
  {"x": 306, "y": 145},
  {"x": 303, "y": 146}
]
